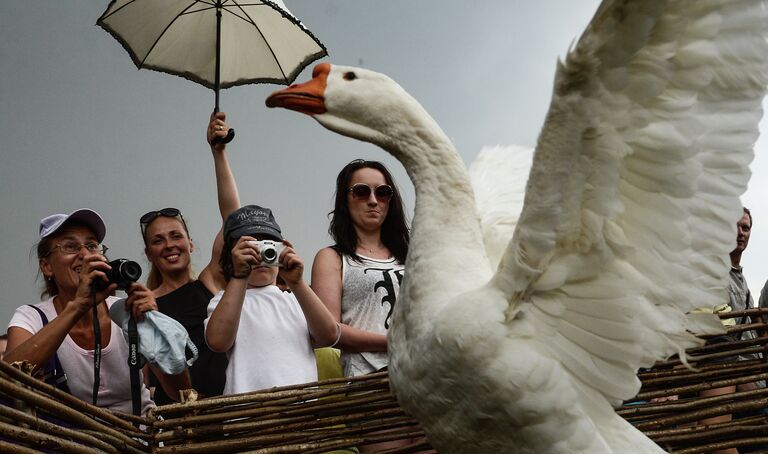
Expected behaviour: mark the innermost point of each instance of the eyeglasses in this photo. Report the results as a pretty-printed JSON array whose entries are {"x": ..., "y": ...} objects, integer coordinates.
[
  {"x": 362, "y": 191},
  {"x": 73, "y": 247},
  {"x": 150, "y": 216}
]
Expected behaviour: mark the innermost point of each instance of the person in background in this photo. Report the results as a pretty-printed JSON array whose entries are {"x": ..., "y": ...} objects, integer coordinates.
[
  {"x": 71, "y": 258},
  {"x": 168, "y": 247},
  {"x": 739, "y": 296},
  {"x": 739, "y": 299},
  {"x": 738, "y": 293},
  {"x": 358, "y": 278},
  {"x": 267, "y": 333}
]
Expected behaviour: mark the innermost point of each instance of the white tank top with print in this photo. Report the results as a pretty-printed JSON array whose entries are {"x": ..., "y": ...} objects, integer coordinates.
[{"x": 369, "y": 293}]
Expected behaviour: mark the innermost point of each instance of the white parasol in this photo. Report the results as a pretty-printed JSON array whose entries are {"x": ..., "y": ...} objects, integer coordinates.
[{"x": 216, "y": 43}]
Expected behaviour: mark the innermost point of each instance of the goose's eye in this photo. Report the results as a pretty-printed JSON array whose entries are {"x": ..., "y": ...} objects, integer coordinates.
[{"x": 349, "y": 75}]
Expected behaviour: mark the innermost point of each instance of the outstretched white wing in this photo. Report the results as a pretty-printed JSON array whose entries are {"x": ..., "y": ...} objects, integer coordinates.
[
  {"x": 633, "y": 196},
  {"x": 498, "y": 176}
]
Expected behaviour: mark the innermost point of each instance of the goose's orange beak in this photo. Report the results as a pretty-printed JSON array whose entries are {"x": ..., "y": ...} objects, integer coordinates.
[{"x": 306, "y": 98}]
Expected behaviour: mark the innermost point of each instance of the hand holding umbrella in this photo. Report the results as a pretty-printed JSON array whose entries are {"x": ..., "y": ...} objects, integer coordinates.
[{"x": 218, "y": 131}]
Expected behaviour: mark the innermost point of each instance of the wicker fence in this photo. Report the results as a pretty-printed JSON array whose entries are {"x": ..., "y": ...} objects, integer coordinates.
[
  {"x": 343, "y": 413},
  {"x": 673, "y": 423}
]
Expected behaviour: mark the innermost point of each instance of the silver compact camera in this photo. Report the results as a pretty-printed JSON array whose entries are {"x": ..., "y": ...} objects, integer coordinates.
[{"x": 269, "y": 250}]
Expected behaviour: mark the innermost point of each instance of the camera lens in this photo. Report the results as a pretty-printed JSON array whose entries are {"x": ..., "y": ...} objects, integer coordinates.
[
  {"x": 130, "y": 271},
  {"x": 123, "y": 273},
  {"x": 269, "y": 254}
]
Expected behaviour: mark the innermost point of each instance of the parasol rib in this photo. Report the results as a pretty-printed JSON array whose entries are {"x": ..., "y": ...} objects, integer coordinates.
[
  {"x": 160, "y": 36},
  {"x": 281, "y": 69},
  {"x": 271, "y": 51}
]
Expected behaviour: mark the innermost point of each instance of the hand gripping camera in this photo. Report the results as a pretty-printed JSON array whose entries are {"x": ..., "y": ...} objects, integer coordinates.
[
  {"x": 270, "y": 252},
  {"x": 123, "y": 273}
]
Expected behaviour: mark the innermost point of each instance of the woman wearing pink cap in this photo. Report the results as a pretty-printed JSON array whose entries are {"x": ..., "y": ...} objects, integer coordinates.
[{"x": 58, "y": 334}]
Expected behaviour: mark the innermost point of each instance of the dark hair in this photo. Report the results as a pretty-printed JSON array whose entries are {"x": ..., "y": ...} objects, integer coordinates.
[
  {"x": 44, "y": 250},
  {"x": 225, "y": 259},
  {"x": 746, "y": 210},
  {"x": 154, "y": 278},
  {"x": 394, "y": 230}
]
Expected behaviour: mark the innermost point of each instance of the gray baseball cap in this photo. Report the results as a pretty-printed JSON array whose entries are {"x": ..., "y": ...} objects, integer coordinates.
[
  {"x": 50, "y": 224},
  {"x": 251, "y": 220}
]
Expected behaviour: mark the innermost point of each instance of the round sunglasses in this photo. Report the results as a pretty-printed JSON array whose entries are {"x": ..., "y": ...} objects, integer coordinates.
[{"x": 362, "y": 191}]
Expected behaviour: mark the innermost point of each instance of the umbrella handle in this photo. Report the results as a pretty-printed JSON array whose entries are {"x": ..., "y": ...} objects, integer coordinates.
[{"x": 218, "y": 140}]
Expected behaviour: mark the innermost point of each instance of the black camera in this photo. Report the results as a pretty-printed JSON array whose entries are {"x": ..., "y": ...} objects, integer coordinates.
[{"x": 123, "y": 273}]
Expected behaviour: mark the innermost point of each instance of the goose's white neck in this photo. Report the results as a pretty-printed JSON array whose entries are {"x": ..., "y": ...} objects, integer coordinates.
[
  {"x": 446, "y": 251},
  {"x": 446, "y": 244}
]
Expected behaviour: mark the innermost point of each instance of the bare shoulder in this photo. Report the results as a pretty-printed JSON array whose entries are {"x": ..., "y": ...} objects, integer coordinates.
[{"x": 327, "y": 258}]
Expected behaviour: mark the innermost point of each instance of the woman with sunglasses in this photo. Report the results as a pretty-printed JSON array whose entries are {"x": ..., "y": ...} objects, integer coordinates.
[
  {"x": 168, "y": 248},
  {"x": 58, "y": 336},
  {"x": 358, "y": 278}
]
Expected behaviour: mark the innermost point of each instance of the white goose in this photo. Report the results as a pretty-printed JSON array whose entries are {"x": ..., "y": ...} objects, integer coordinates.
[{"x": 629, "y": 215}]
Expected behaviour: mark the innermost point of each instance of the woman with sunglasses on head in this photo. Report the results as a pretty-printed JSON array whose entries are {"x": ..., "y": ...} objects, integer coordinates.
[
  {"x": 60, "y": 330},
  {"x": 168, "y": 248},
  {"x": 359, "y": 277}
]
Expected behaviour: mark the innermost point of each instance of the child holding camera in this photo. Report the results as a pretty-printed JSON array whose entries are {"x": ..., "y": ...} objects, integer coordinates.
[{"x": 267, "y": 334}]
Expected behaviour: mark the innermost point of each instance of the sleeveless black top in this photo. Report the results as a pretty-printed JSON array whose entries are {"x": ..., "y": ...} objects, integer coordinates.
[{"x": 188, "y": 305}]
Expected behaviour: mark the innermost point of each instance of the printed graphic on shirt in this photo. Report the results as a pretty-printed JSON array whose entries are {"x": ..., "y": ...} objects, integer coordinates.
[{"x": 387, "y": 283}]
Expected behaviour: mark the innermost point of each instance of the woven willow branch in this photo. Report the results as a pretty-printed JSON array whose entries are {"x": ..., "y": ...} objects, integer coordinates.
[{"x": 349, "y": 412}]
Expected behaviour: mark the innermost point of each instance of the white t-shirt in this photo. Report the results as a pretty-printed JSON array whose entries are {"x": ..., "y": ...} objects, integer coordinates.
[
  {"x": 114, "y": 377},
  {"x": 272, "y": 346}
]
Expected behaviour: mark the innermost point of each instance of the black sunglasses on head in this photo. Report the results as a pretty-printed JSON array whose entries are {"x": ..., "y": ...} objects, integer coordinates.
[
  {"x": 362, "y": 191},
  {"x": 150, "y": 216}
]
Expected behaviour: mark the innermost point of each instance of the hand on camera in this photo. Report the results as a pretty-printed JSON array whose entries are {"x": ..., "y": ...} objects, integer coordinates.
[
  {"x": 292, "y": 271},
  {"x": 140, "y": 300},
  {"x": 217, "y": 127},
  {"x": 245, "y": 256},
  {"x": 94, "y": 267}
]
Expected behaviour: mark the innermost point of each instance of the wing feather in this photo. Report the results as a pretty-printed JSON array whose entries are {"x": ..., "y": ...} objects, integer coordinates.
[
  {"x": 499, "y": 205},
  {"x": 632, "y": 199}
]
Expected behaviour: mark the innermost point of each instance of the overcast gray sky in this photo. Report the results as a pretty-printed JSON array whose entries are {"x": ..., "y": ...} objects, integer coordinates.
[{"x": 82, "y": 127}]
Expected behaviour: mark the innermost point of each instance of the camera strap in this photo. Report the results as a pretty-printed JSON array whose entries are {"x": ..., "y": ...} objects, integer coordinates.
[
  {"x": 133, "y": 364},
  {"x": 96, "y": 347}
]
